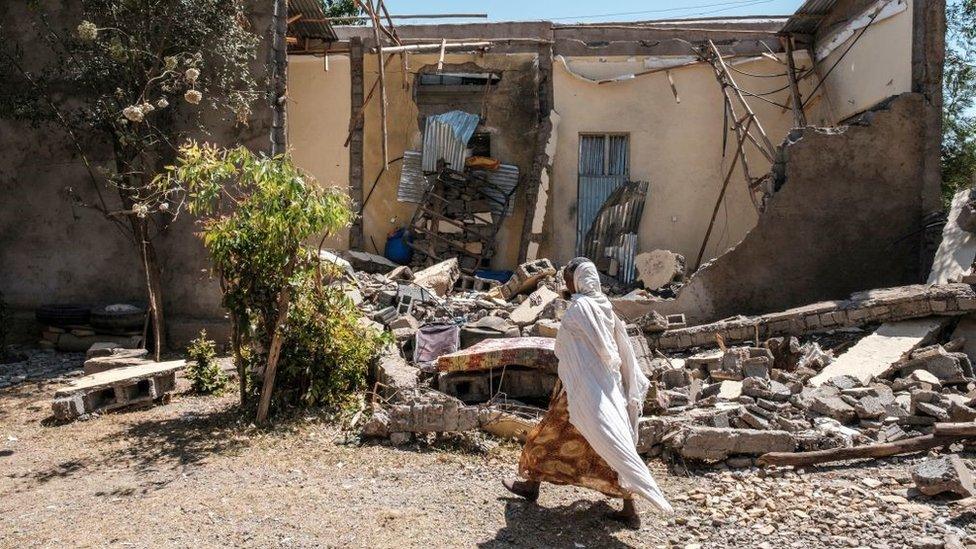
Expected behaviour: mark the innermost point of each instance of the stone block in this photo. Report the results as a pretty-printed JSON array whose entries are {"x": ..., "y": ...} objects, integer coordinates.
[
  {"x": 530, "y": 309},
  {"x": 439, "y": 278},
  {"x": 658, "y": 268},
  {"x": 946, "y": 474},
  {"x": 713, "y": 444},
  {"x": 116, "y": 388}
]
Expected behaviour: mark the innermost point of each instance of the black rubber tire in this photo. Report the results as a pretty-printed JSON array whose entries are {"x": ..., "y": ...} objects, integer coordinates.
[
  {"x": 63, "y": 314},
  {"x": 102, "y": 319}
]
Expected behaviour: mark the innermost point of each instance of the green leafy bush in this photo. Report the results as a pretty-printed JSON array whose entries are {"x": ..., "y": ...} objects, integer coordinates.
[
  {"x": 257, "y": 214},
  {"x": 202, "y": 369}
]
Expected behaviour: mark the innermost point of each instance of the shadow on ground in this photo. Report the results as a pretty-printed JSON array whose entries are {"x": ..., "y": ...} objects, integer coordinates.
[{"x": 579, "y": 524}]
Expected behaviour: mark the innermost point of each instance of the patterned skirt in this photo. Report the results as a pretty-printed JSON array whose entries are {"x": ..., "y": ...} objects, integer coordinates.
[{"x": 556, "y": 452}]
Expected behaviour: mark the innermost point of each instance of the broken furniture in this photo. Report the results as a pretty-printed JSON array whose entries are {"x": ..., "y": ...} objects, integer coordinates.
[{"x": 116, "y": 388}]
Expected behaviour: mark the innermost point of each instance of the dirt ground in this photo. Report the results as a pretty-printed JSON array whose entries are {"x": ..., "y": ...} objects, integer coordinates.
[{"x": 193, "y": 473}]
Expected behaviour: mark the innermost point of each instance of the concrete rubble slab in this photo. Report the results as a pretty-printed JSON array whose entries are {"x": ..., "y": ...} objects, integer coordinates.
[
  {"x": 873, "y": 355},
  {"x": 714, "y": 444},
  {"x": 957, "y": 251},
  {"x": 658, "y": 268},
  {"x": 116, "y": 388},
  {"x": 530, "y": 352},
  {"x": 945, "y": 474},
  {"x": 529, "y": 310},
  {"x": 439, "y": 278},
  {"x": 862, "y": 308}
]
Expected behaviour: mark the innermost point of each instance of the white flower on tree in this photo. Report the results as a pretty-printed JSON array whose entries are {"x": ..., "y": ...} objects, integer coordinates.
[
  {"x": 87, "y": 31},
  {"x": 133, "y": 113},
  {"x": 193, "y": 97}
]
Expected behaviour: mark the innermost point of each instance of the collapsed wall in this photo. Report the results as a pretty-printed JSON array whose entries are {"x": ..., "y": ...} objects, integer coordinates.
[{"x": 848, "y": 216}]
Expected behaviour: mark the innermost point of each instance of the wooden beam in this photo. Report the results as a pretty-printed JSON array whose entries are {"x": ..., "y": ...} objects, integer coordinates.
[
  {"x": 721, "y": 194},
  {"x": 799, "y": 118},
  {"x": 382, "y": 82},
  {"x": 294, "y": 18},
  {"x": 404, "y": 16},
  {"x": 442, "y": 45}
]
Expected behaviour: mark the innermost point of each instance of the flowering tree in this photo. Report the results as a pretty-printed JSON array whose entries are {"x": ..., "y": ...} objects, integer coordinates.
[{"x": 143, "y": 72}]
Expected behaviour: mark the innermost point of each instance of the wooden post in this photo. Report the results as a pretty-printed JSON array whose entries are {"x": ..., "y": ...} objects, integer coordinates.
[
  {"x": 267, "y": 386},
  {"x": 730, "y": 81},
  {"x": 440, "y": 61},
  {"x": 721, "y": 194},
  {"x": 382, "y": 80},
  {"x": 799, "y": 118}
]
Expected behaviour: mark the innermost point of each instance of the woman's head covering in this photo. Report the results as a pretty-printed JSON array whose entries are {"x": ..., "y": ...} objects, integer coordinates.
[{"x": 586, "y": 278}]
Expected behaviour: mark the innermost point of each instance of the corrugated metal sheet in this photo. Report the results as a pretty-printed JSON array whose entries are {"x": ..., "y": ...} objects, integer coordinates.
[
  {"x": 504, "y": 180},
  {"x": 414, "y": 182},
  {"x": 614, "y": 231},
  {"x": 807, "y": 17},
  {"x": 463, "y": 123},
  {"x": 593, "y": 191},
  {"x": 309, "y": 9},
  {"x": 446, "y": 137}
]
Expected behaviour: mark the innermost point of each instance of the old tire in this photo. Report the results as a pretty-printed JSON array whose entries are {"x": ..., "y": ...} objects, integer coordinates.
[
  {"x": 122, "y": 317},
  {"x": 63, "y": 314}
]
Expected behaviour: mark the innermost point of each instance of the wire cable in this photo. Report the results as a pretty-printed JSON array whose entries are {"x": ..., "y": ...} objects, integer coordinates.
[
  {"x": 841, "y": 58},
  {"x": 731, "y": 5}
]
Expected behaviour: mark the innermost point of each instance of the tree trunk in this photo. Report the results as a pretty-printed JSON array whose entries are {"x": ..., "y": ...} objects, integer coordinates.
[
  {"x": 235, "y": 338},
  {"x": 154, "y": 283},
  {"x": 284, "y": 301}
]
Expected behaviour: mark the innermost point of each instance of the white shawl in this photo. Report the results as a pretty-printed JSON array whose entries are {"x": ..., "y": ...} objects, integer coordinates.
[{"x": 604, "y": 384}]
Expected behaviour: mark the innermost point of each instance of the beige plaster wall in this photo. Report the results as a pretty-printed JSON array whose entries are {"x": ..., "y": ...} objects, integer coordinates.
[
  {"x": 383, "y": 213},
  {"x": 318, "y": 118},
  {"x": 877, "y": 67},
  {"x": 676, "y": 147}
]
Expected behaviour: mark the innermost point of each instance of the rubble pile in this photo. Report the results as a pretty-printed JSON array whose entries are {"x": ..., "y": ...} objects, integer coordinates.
[
  {"x": 882, "y": 367},
  {"x": 718, "y": 399}
]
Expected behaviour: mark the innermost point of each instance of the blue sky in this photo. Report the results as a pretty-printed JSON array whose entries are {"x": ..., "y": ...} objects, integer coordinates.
[{"x": 569, "y": 11}]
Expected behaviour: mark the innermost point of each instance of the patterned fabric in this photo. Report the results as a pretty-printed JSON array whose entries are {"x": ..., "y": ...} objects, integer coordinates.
[
  {"x": 556, "y": 452},
  {"x": 531, "y": 352}
]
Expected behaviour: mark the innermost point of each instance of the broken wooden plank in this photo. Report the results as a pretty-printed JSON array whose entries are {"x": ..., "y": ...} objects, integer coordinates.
[
  {"x": 943, "y": 434},
  {"x": 872, "y": 355}
]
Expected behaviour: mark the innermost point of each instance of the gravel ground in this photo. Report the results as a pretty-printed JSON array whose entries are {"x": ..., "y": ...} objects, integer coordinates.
[{"x": 192, "y": 473}]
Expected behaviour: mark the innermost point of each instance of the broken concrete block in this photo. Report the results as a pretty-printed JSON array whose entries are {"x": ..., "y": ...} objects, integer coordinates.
[
  {"x": 530, "y": 309},
  {"x": 367, "y": 262},
  {"x": 526, "y": 277},
  {"x": 116, "y": 388},
  {"x": 756, "y": 367},
  {"x": 652, "y": 322},
  {"x": 634, "y": 305},
  {"x": 439, "y": 278},
  {"x": 378, "y": 425},
  {"x": 932, "y": 410},
  {"x": 874, "y": 354},
  {"x": 870, "y": 407},
  {"x": 830, "y": 404},
  {"x": 658, "y": 268},
  {"x": 545, "y": 328},
  {"x": 730, "y": 390},
  {"x": 946, "y": 474},
  {"x": 393, "y": 373},
  {"x": 674, "y": 378},
  {"x": 713, "y": 444},
  {"x": 960, "y": 412},
  {"x": 949, "y": 368}
]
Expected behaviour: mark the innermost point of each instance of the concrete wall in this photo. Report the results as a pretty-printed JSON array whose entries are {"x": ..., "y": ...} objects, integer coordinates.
[
  {"x": 52, "y": 251},
  {"x": 843, "y": 221},
  {"x": 318, "y": 115},
  {"x": 676, "y": 147},
  {"x": 878, "y": 66},
  {"x": 511, "y": 118}
]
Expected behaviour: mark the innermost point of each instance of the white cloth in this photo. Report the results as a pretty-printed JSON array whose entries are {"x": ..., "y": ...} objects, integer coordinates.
[{"x": 605, "y": 387}]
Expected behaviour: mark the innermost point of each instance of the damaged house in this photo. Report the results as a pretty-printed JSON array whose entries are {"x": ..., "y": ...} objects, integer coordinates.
[{"x": 784, "y": 159}]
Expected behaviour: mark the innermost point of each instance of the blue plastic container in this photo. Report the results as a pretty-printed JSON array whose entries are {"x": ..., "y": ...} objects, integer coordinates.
[
  {"x": 396, "y": 249},
  {"x": 501, "y": 276}
]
